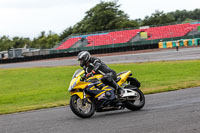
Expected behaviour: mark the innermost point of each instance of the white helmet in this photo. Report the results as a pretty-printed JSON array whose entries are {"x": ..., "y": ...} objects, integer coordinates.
[{"x": 83, "y": 57}]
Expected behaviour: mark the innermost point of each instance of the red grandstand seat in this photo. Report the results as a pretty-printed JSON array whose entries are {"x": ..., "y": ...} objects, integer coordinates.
[
  {"x": 68, "y": 43},
  {"x": 169, "y": 31}
]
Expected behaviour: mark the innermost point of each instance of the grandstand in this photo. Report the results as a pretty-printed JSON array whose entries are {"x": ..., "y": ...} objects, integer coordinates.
[
  {"x": 68, "y": 43},
  {"x": 146, "y": 37},
  {"x": 125, "y": 36}
]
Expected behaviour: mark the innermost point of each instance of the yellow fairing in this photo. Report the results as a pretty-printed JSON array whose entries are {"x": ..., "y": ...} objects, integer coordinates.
[
  {"x": 81, "y": 85},
  {"x": 79, "y": 94},
  {"x": 77, "y": 78},
  {"x": 97, "y": 76},
  {"x": 124, "y": 77},
  {"x": 82, "y": 72},
  {"x": 73, "y": 81}
]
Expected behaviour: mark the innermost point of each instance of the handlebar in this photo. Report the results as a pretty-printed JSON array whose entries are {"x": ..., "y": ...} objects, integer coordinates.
[{"x": 84, "y": 77}]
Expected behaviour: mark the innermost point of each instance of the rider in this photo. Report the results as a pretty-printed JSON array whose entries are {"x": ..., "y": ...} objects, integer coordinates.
[{"x": 93, "y": 65}]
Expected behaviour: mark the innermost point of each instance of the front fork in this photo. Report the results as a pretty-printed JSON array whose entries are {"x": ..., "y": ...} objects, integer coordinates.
[{"x": 84, "y": 98}]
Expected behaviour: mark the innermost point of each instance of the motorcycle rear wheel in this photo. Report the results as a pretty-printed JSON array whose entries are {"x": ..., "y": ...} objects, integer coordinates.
[
  {"x": 138, "y": 103},
  {"x": 83, "y": 111}
]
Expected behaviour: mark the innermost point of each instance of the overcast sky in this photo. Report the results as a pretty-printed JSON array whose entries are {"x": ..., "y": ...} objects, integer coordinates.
[{"x": 27, "y": 18}]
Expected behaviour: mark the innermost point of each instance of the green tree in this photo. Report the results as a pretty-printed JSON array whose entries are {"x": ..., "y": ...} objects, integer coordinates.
[
  {"x": 195, "y": 15},
  {"x": 68, "y": 31},
  {"x": 184, "y": 15},
  {"x": 45, "y": 41},
  {"x": 5, "y": 43},
  {"x": 19, "y": 42},
  {"x": 104, "y": 16},
  {"x": 159, "y": 17}
]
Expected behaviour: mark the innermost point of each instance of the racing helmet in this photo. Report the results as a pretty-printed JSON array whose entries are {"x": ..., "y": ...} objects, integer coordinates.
[{"x": 83, "y": 57}]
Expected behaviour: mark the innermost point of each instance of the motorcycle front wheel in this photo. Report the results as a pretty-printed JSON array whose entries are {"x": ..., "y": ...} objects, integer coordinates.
[
  {"x": 83, "y": 110},
  {"x": 136, "y": 103}
]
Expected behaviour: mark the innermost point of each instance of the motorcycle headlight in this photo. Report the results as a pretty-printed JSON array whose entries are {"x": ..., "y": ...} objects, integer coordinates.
[{"x": 72, "y": 86}]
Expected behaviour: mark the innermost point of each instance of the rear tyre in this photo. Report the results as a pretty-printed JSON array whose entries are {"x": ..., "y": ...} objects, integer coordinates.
[
  {"x": 138, "y": 102},
  {"x": 82, "y": 110}
]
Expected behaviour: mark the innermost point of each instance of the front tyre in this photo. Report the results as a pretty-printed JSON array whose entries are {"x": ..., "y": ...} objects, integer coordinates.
[
  {"x": 136, "y": 103},
  {"x": 82, "y": 110}
]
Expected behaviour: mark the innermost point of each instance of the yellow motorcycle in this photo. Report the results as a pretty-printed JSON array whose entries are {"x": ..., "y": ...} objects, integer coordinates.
[{"x": 90, "y": 95}]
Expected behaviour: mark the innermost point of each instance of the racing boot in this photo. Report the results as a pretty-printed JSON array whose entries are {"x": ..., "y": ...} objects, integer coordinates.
[{"x": 118, "y": 89}]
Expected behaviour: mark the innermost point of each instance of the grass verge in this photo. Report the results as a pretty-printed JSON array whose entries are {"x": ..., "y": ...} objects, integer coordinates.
[{"x": 35, "y": 88}]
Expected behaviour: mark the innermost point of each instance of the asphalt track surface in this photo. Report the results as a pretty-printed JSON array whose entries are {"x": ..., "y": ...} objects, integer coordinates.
[
  {"x": 164, "y": 55},
  {"x": 169, "y": 112}
]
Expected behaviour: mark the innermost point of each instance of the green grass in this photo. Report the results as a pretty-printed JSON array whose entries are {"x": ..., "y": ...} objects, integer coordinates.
[{"x": 34, "y": 88}]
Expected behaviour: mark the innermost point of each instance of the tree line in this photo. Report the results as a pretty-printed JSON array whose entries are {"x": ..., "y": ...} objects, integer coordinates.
[{"x": 103, "y": 16}]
